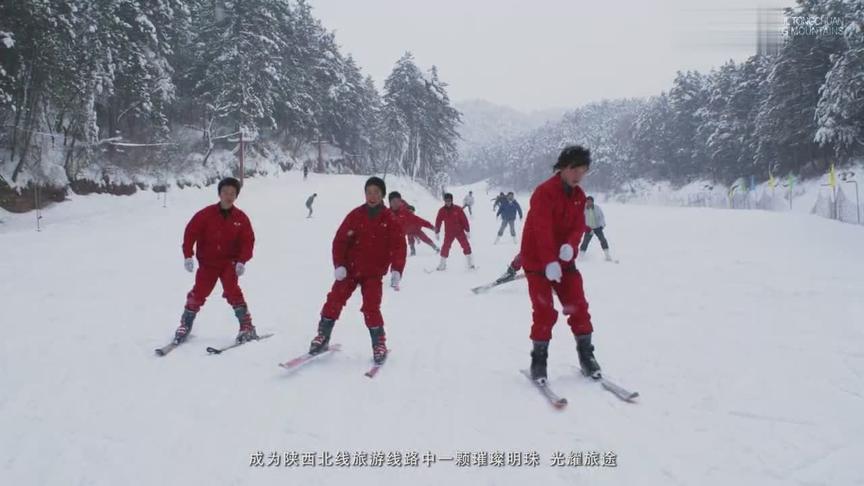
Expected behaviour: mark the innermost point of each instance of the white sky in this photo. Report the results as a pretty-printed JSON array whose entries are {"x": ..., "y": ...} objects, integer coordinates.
[{"x": 545, "y": 53}]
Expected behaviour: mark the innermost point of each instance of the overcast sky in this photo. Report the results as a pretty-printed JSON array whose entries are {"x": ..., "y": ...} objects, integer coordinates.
[{"x": 545, "y": 53}]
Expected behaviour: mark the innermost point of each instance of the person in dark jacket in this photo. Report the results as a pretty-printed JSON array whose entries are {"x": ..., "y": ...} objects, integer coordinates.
[
  {"x": 309, "y": 202},
  {"x": 507, "y": 210}
]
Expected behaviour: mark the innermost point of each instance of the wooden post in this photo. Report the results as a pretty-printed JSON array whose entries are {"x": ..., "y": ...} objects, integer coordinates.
[{"x": 242, "y": 171}]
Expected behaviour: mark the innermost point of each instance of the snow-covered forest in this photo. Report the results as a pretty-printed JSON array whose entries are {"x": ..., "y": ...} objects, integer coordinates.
[
  {"x": 795, "y": 112},
  {"x": 112, "y": 94}
]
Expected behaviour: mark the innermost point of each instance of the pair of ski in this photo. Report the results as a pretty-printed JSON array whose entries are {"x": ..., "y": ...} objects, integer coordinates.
[
  {"x": 559, "y": 402},
  {"x": 164, "y": 350},
  {"x": 304, "y": 359}
]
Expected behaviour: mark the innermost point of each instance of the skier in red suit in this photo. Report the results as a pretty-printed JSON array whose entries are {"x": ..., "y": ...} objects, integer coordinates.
[
  {"x": 221, "y": 237},
  {"x": 368, "y": 243},
  {"x": 456, "y": 227},
  {"x": 551, "y": 235},
  {"x": 412, "y": 224}
]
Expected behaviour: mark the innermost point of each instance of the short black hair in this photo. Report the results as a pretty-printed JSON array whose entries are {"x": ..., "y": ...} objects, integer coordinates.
[
  {"x": 448, "y": 196},
  {"x": 228, "y": 181},
  {"x": 590, "y": 197},
  {"x": 393, "y": 195},
  {"x": 511, "y": 193},
  {"x": 376, "y": 181},
  {"x": 573, "y": 156}
]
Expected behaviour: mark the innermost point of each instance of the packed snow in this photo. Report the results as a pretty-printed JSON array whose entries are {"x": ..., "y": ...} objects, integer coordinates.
[{"x": 741, "y": 330}]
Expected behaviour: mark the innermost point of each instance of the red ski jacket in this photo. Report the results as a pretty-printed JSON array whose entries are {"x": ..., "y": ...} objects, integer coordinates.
[
  {"x": 367, "y": 243},
  {"x": 410, "y": 222},
  {"x": 454, "y": 219},
  {"x": 219, "y": 237},
  {"x": 556, "y": 217}
]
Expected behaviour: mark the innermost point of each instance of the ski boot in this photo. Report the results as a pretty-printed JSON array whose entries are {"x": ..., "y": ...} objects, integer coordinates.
[
  {"x": 247, "y": 330},
  {"x": 587, "y": 362},
  {"x": 321, "y": 342},
  {"x": 185, "y": 328},
  {"x": 379, "y": 348},
  {"x": 539, "y": 355}
]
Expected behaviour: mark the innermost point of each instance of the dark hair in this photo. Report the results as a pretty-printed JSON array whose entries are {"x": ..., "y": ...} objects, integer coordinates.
[
  {"x": 573, "y": 156},
  {"x": 448, "y": 196},
  {"x": 510, "y": 193},
  {"x": 393, "y": 195},
  {"x": 376, "y": 181},
  {"x": 228, "y": 181},
  {"x": 590, "y": 197}
]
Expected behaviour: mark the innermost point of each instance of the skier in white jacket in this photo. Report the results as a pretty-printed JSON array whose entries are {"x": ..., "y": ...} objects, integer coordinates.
[{"x": 596, "y": 221}]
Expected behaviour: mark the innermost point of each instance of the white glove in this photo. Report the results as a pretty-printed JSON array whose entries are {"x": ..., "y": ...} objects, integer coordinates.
[
  {"x": 553, "y": 272},
  {"x": 566, "y": 252},
  {"x": 340, "y": 273},
  {"x": 189, "y": 264},
  {"x": 240, "y": 268},
  {"x": 395, "y": 278}
]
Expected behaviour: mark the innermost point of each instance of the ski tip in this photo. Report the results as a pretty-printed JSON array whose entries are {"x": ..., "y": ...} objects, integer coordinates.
[
  {"x": 213, "y": 351},
  {"x": 159, "y": 352}
]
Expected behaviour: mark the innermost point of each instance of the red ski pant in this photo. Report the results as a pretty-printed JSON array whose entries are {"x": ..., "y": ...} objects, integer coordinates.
[
  {"x": 573, "y": 303},
  {"x": 448, "y": 241},
  {"x": 205, "y": 280},
  {"x": 370, "y": 289}
]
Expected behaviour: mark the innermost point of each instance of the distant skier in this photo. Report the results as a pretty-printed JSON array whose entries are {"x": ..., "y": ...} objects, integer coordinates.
[
  {"x": 497, "y": 200},
  {"x": 305, "y": 171},
  {"x": 411, "y": 224},
  {"x": 456, "y": 227},
  {"x": 468, "y": 202},
  {"x": 309, "y": 202},
  {"x": 507, "y": 211},
  {"x": 595, "y": 221},
  {"x": 553, "y": 229},
  {"x": 221, "y": 237},
  {"x": 368, "y": 242}
]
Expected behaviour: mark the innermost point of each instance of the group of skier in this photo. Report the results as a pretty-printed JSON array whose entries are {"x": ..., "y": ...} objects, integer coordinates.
[{"x": 371, "y": 241}]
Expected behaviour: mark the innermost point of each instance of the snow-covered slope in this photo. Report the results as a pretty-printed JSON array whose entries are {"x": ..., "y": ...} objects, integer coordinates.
[{"x": 742, "y": 330}]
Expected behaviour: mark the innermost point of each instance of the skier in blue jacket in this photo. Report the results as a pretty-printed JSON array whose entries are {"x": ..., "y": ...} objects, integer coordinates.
[{"x": 507, "y": 210}]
